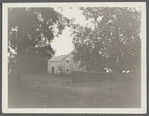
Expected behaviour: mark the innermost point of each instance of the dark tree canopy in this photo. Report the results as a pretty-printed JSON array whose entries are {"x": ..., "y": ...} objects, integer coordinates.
[
  {"x": 33, "y": 27},
  {"x": 30, "y": 32},
  {"x": 113, "y": 39}
]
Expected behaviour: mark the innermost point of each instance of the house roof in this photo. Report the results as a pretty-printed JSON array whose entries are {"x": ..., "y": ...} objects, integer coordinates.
[{"x": 57, "y": 58}]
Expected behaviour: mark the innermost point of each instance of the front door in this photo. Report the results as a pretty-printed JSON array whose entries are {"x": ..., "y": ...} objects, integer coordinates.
[{"x": 52, "y": 70}]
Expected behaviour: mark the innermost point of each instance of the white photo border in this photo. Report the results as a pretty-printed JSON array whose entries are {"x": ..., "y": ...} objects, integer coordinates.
[{"x": 141, "y": 110}]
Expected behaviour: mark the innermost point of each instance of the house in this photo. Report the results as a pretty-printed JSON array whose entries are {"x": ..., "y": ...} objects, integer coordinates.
[{"x": 63, "y": 64}]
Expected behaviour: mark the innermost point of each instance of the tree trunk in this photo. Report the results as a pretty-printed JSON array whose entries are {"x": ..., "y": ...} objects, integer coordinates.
[
  {"x": 117, "y": 49},
  {"x": 18, "y": 75},
  {"x": 20, "y": 56}
]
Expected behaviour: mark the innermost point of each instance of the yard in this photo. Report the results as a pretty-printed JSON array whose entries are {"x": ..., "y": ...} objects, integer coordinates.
[{"x": 53, "y": 91}]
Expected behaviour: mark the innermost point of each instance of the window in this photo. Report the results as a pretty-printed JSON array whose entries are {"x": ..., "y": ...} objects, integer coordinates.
[
  {"x": 67, "y": 60},
  {"x": 59, "y": 69},
  {"x": 67, "y": 68}
]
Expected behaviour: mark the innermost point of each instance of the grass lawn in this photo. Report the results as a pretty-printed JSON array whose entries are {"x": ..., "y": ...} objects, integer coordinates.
[{"x": 53, "y": 91}]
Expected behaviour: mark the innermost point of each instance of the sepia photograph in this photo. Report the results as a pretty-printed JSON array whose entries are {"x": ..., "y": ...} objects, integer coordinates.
[{"x": 74, "y": 57}]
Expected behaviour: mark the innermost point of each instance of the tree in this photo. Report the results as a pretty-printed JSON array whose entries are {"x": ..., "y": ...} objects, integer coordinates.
[
  {"x": 113, "y": 36},
  {"x": 30, "y": 32}
]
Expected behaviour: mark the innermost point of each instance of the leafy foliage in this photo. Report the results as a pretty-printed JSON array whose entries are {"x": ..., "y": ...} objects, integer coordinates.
[
  {"x": 113, "y": 39},
  {"x": 30, "y": 32}
]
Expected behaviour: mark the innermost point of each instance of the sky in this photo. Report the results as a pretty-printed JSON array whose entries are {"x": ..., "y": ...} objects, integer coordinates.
[{"x": 63, "y": 44}]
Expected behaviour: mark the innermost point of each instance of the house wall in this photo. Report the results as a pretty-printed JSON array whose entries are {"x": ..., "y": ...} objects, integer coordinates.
[
  {"x": 64, "y": 65},
  {"x": 71, "y": 66},
  {"x": 55, "y": 65}
]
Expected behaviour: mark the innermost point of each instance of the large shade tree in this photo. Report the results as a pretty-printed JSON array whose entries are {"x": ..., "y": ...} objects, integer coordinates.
[
  {"x": 112, "y": 40},
  {"x": 30, "y": 32}
]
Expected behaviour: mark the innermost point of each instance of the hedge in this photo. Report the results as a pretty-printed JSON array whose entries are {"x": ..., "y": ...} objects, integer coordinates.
[{"x": 80, "y": 77}]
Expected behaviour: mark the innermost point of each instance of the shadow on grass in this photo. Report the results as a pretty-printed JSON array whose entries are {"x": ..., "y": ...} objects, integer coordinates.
[{"x": 54, "y": 91}]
